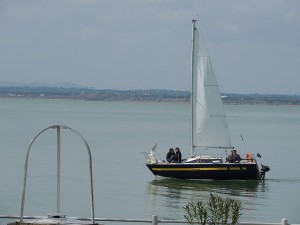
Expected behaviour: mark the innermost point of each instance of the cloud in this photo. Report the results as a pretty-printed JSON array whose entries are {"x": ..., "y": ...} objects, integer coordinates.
[{"x": 134, "y": 44}]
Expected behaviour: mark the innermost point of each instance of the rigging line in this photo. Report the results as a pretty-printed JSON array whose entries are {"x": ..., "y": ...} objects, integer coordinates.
[
  {"x": 236, "y": 124},
  {"x": 238, "y": 127}
]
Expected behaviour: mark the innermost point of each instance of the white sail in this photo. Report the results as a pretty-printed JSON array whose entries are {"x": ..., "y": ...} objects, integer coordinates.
[{"x": 209, "y": 124}]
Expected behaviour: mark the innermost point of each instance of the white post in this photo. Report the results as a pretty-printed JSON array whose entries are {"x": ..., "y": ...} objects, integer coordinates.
[
  {"x": 284, "y": 221},
  {"x": 154, "y": 220},
  {"x": 58, "y": 172}
]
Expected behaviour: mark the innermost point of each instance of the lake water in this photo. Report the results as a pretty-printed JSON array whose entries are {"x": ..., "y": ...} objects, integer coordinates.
[{"x": 118, "y": 133}]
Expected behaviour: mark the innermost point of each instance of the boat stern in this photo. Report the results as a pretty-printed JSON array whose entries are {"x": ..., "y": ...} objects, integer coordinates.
[{"x": 263, "y": 171}]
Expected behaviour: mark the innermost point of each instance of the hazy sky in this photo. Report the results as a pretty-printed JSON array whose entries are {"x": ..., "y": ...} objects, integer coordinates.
[{"x": 145, "y": 44}]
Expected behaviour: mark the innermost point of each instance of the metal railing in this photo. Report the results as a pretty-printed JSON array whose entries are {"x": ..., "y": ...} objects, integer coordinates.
[{"x": 154, "y": 221}]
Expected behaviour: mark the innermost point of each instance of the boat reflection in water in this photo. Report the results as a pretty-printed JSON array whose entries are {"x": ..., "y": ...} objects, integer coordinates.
[{"x": 176, "y": 193}]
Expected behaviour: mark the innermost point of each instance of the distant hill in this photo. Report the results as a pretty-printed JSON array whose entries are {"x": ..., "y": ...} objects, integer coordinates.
[
  {"x": 64, "y": 91},
  {"x": 41, "y": 84}
]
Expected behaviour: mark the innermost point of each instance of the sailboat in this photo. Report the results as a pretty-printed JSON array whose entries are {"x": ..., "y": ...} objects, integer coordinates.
[{"x": 209, "y": 129}]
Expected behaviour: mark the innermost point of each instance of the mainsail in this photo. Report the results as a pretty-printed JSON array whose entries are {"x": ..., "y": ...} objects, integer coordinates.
[{"x": 209, "y": 124}]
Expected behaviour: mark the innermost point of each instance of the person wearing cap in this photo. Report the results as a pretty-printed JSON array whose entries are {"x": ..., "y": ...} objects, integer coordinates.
[{"x": 233, "y": 157}]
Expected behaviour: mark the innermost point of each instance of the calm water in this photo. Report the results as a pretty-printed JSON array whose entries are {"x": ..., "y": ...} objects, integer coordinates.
[{"x": 118, "y": 133}]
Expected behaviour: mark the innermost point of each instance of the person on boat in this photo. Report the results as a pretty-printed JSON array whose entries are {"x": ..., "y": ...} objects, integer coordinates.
[
  {"x": 170, "y": 155},
  {"x": 233, "y": 157},
  {"x": 177, "y": 155}
]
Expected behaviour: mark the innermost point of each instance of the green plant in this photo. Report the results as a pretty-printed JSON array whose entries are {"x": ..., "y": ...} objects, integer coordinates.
[
  {"x": 216, "y": 211},
  {"x": 196, "y": 212}
]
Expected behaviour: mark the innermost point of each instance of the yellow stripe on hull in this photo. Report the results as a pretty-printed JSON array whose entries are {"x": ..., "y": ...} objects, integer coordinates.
[{"x": 195, "y": 169}]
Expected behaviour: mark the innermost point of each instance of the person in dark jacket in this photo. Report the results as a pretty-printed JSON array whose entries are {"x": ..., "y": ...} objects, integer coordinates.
[
  {"x": 177, "y": 157},
  {"x": 233, "y": 157},
  {"x": 170, "y": 155}
]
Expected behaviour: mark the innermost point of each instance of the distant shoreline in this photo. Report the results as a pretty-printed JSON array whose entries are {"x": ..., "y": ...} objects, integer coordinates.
[{"x": 155, "y": 95}]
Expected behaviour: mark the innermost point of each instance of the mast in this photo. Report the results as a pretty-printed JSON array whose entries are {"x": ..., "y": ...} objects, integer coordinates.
[{"x": 192, "y": 89}]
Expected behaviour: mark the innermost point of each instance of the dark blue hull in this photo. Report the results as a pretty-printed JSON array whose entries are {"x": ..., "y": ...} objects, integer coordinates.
[{"x": 223, "y": 171}]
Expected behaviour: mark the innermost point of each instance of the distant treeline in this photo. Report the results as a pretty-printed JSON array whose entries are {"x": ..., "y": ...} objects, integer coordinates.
[{"x": 138, "y": 95}]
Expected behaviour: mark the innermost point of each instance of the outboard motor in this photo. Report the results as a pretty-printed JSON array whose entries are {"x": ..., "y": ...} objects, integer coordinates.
[{"x": 263, "y": 171}]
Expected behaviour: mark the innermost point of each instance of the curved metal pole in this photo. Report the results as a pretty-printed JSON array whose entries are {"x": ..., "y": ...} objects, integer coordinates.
[
  {"x": 58, "y": 145},
  {"x": 90, "y": 169},
  {"x": 25, "y": 171}
]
